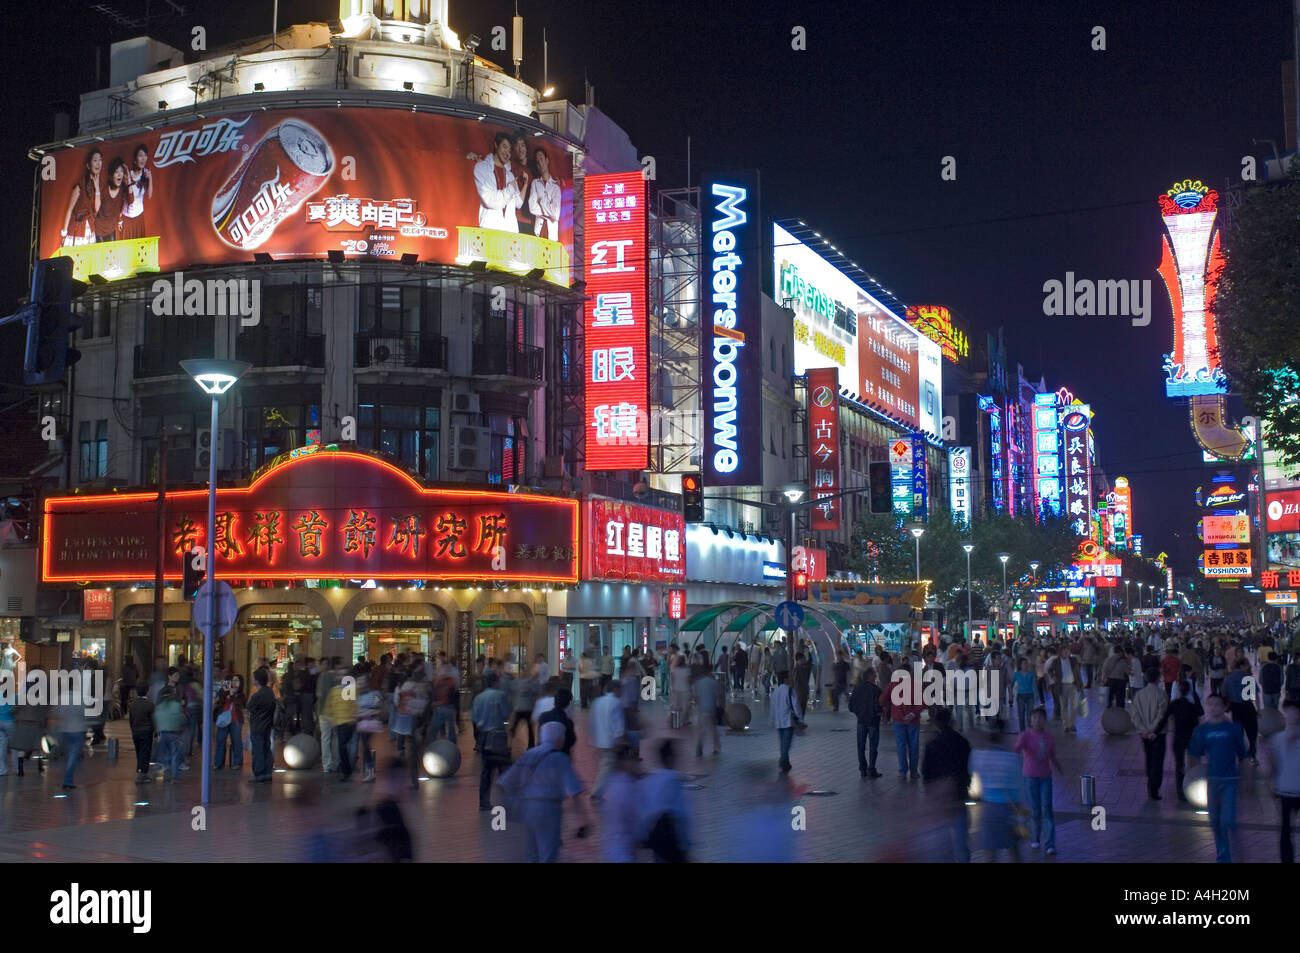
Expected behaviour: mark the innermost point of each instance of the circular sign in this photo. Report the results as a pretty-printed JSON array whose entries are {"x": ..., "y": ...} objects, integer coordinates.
[
  {"x": 823, "y": 397},
  {"x": 959, "y": 461},
  {"x": 1275, "y": 510}
]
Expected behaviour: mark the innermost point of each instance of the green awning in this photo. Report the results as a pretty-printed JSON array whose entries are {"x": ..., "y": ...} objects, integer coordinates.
[
  {"x": 702, "y": 620},
  {"x": 498, "y": 623},
  {"x": 741, "y": 622}
]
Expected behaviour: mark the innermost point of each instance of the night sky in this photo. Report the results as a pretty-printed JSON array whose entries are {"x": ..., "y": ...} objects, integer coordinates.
[{"x": 1060, "y": 152}]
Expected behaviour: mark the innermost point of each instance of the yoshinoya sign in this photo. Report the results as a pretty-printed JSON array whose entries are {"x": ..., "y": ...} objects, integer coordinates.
[
  {"x": 627, "y": 542},
  {"x": 732, "y": 351},
  {"x": 323, "y": 515}
]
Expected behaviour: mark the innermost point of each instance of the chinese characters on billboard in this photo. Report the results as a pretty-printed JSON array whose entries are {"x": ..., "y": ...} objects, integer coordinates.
[
  {"x": 616, "y": 339},
  {"x": 627, "y": 542},
  {"x": 1078, "y": 469},
  {"x": 1226, "y": 563},
  {"x": 900, "y": 476},
  {"x": 935, "y": 322},
  {"x": 325, "y": 515},
  {"x": 920, "y": 478},
  {"x": 1047, "y": 474},
  {"x": 97, "y": 605},
  {"x": 824, "y": 446},
  {"x": 959, "y": 473},
  {"x": 1225, "y": 529},
  {"x": 298, "y": 183}
]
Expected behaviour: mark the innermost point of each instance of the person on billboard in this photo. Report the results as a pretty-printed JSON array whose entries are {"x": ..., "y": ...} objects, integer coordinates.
[
  {"x": 523, "y": 176},
  {"x": 544, "y": 198},
  {"x": 112, "y": 202},
  {"x": 140, "y": 181},
  {"x": 498, "y": 191},
  {"x": 83, "y": 203}
]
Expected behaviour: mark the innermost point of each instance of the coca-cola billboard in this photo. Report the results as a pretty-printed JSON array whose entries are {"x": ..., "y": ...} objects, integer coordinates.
[{"x": 373, "y": 183}]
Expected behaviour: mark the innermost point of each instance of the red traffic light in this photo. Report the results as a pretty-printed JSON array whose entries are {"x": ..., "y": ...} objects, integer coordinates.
[
  {"x": 690, "y": 483},
  {"x": 800, "y": 580}
]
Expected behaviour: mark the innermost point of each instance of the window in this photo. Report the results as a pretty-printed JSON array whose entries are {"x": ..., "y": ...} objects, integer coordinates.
[
  {"x": 93, "y": 437},
  {"x": 391, "y": 311},
  {"x": 509, "y": 449},
  {"x": 97, "y": 317},
  {"x": 403, "y": 422},
  {"x": 783, "y": 374},
  {"x": 771, "y": 353},
  {"x": 277, "y": 420}
]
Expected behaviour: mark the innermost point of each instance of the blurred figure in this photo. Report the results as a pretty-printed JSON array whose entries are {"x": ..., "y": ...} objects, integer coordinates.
[
  {"x": 666, "y": 819},
  {"x": 72, "y": 733},
  {"x": 537, "y": 786},
  {"x": 785, "y": 716},
  {"x": 758, "y": 830},
  {"x": 169, "y": 719},
  {"x": 1282, "y": 762},
  {"x": 392, "y": 833},
  {"x": 489, "y": 715},
  {"x": 559, "y": 712},
  {"x": 370, "y": 712},
  {"x": 631, "y": 697},
  {"x": 1037, "y": 745},
  {"x": 142, "y": 732},
  {"x": 1221, "y": 743},
  {"x": 1185, "y": 711},
  {"x": 261, "y": 721},
  {"x": 946, "y": 767},
  {"x": 608, "y": 731},
  {"x": 28, "y": 730},
  {"x": 706, "y": 691},
  {"x": 679, "y": 683},
  {"x": 1000, "y": 781},
  {"x": 620, "y": 809}
]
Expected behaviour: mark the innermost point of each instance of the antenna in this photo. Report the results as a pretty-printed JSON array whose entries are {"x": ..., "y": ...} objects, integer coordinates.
[
  {"x": 518, "y": 55},
  {"x": 545, "y": 57}
]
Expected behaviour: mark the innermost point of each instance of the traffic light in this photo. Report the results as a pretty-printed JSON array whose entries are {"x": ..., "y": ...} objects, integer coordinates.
[
  {"x": 799, "y": 587},
  {"x": 882, "y": 488},
  {"x": 50, "y": 320},
  {"x": 195, "y": 571},
  {"x": 693, "y": 497}
]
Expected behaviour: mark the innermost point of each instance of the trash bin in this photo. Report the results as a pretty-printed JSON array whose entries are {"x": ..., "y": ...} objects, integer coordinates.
[{"x": 1088, "y": 790}]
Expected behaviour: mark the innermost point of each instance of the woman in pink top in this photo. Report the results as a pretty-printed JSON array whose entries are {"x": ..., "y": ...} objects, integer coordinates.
[{"x": 1038, "y": 748}]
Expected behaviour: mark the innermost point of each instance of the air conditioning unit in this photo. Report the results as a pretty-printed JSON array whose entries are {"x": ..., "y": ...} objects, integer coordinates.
[
  {"x": 466, "y": 403},
  {"x": 203, "y": 450},
  {"x": 469, "y": 448},
  {"x": 553, "y": 467},
  {"x": 225, "y": 450},
  {"x": 387, "y": 351}
]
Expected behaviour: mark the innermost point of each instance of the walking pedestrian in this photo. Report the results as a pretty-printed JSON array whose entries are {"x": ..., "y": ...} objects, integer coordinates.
[
  {"x": 340, "y": 710},
  {"x": 840, "y": 678},
  {"x": 785, "y": 716},
  {"x": 906, "y": 718},
  {"x": 489, "y": 713},
  {"x": 142, "y": 732},
  {"x": 1001, "y": 783},
  {"x": 169, "y": 718},
  {"x": 1243, "y": 709},
  {"x": 680, "y": 688},
  {"x": 947, "y": 767},
  {"x": 608, "y": 731},
  {"x": 1282, "y": 762},
  {"x": 1024, "y": 686},
  {"x": 559, "y": 712},
  {"x": 1067, "y": 684},
  {"x": 706, "y": 692},
  {"x": 865, "y": 705},
  {"x": 1270, "y": 683},
  {"x": 537, "y": 786},
  {"x": 1150, "y": 711},
  {"x": 1221, "y": 743},
  {"x": 1115, "y": 672},
  {"x": 665, "y": 813},
  {"x": 1037, "y": 746},
  {"x": 1185, "y": 712},
  {"x": 621, "y": 809}
]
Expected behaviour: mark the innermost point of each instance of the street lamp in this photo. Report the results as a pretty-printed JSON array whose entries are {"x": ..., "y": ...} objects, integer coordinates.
[
  {"x": 793, "y": 495},
  {"x": 1033, "y": 567},
  {"x": 1141, "y": 604},
  {"x": 214, "y": 378},
  {"x": 917, "y": 532},
  {"x": 969, "y": 614},
  {"x": 1004, "y": 557},
  {"x": 1128, "y": 597}
]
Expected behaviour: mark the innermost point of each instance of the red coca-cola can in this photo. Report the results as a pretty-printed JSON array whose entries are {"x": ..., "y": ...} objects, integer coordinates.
[{"x": 288, "y": 165}]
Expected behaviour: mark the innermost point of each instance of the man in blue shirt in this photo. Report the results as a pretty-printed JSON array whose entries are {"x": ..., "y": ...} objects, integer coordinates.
[{"x": 1221, "y": 743}]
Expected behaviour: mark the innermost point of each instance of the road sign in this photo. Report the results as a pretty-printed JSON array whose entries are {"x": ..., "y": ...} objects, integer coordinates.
[
  {"x": 226, "y": 609},
  {"x": 789, "y": 615}
]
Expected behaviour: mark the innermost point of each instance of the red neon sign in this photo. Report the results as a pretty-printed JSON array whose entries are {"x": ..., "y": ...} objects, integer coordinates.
[
  {"x": 327, "y": 515},
  {"x": 677, "y": 603},
  {"x": 824, "y": 446},
  {"x": 617, "y": 342},
  {"x": 633, "y": 543}
]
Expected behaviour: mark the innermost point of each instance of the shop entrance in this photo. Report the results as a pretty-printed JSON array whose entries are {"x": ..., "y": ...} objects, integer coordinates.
[
  {"x": 279, "y": 633},
  {"x": 599, "y": 637},
  {"x": 398, "y": 628}
]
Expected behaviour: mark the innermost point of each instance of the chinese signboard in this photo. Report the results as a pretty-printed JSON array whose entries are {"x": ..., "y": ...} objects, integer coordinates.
[
  {"x": 733, "y": 345},
  {"x": 97, "y": 604},
  {"x": 1282, "y": 512},
  {"x": 959, "y": 479},
  {"x": 677, "y": 603},
  {"x": 1226, "y": 563},
  {"x": 1288, "y": 598},
  {"x": 1047, "y": 472},
  {"x": 900, "y": 475},
  {"x": 812, "y": 561},
  {"x": 616, "y": 340},
  {"x": 1269, "y": 579},
  {"x": 1225, "y": 529},
  {"x": 920, "y": 489},
  {"x": 297, "y": 183},
  {"x": 824, "y": 447},
  {"x": 1077, "y": 479},
  {"x": 1121, "y": 501},
  {"x": 935, "y": 322},
  {"x": 997, "y": 444},
  {"x": 628, "y": 542},
  {"x": 325, "y": 515}
]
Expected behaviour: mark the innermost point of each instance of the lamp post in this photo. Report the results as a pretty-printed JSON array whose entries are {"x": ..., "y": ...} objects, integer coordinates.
[
  {"x": 1033, "y": 567},
  {"x": 1128, "y": 597},
  {"x": 917, "y": 532},
  {"x": 1141, "y": 604},
  {"x": 214, "y": 378},
  {"x": 793, "y": 494},
  {"x": 969, "y": 613},
  {"x": 1004, "y": 557}
]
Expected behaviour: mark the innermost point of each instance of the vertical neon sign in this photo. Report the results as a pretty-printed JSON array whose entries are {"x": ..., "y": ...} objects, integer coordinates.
[
  {"x": 616, "y": 332},
  {"x": 1047, "y": 469}
]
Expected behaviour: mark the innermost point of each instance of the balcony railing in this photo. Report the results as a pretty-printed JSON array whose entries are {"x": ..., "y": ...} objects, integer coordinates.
[
  {"x": 522, "y": 360},
  {"x": 401, "y": 350},
  {"x": 262, "y": 348}
]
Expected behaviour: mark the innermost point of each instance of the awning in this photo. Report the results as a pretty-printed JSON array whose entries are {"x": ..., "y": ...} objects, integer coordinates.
[
  {"x": 494, "y": 624},
  {"x": 741, "y": 622}
]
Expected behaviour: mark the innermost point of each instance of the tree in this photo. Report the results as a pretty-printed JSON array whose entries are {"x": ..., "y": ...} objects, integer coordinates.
[{"x": 1256, "y": 305}]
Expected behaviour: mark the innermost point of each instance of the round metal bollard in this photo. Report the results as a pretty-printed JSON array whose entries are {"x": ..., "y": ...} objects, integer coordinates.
[
  {"x": 1116, "y": 721},
  {"x": 1270, "y": 721},
  {"x": 1087, "y": 790},
  {"x": 301, "y": 752},
  {"x": 737, "y": 716},
  {"x": 441, "y": 759},
  {"x": 1196, "y": 788}
]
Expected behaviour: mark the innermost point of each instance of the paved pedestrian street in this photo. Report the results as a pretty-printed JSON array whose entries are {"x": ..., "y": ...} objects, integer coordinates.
[{"x": 306, "y": 815}]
